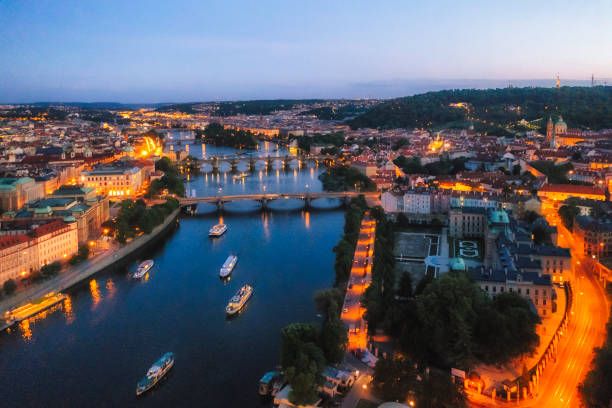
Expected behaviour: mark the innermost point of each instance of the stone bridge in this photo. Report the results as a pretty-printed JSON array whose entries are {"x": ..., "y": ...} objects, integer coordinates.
[
  {"x": 235, "y": 159},
  {"x": 264, "y": 199}
]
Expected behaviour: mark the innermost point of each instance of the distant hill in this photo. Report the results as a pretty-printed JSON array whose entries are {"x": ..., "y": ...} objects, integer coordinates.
[
  {"x": 261, "y": 107},
  {"x": 95, "y": 105},
  {"x": 493, "y": 109}
]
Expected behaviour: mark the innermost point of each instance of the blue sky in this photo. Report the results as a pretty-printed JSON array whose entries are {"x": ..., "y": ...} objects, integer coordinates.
[{"x": 160, "y": 51}]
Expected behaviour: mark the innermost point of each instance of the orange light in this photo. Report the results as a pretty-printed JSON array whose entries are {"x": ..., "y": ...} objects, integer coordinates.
[{"x": 91, "y": 243}]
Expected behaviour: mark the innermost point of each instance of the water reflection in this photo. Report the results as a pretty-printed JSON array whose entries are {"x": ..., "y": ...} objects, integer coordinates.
[
  {"x": 26, "y": 332},
  {"x": 110, "y": 287},
  {"x": 307, "y": 219},
  {"x": 68, "y": 313},
  {"x": 95, "y": 292}
]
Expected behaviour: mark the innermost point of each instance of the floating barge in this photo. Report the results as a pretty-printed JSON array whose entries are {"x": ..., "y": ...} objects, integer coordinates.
[{"x": 33, "y": 308}]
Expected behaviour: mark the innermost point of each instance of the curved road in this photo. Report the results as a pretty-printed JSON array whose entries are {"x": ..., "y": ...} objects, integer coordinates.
[{"x": 559, "y": 382}]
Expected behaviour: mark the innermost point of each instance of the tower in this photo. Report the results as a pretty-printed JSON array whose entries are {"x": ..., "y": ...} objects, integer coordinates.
[
  {"x": 549, "y": 129},
  {"x": 592, "y": 80},
  {"x": 558, "y": 83}
]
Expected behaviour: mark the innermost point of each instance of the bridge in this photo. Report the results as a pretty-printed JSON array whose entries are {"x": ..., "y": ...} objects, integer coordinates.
[
  {"x": 234, "y": 159},
  {"x": 264, "y": 199}
]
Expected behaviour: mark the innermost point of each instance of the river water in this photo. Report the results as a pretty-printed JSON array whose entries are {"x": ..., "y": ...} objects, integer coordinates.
[{"x": 92, "y": 350}]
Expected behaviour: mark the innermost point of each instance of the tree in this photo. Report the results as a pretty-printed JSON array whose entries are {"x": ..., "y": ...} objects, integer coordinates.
[
  {"x": 302, "y": 361},
  {"x": 9, "y": 286},
  {"x": 394, "y": 378},
  {"x": 405, "y": 285},
  {"x": 51, "y": 269},
  {"x": 530, "y": 216},
  {"x": 401, "y": 142},
  {"x": 568, "y": 213},
  {"x": 541, "y": 235}
]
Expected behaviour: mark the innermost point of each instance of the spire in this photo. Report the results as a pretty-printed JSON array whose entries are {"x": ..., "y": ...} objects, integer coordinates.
[{"x": 558, "y": 82}]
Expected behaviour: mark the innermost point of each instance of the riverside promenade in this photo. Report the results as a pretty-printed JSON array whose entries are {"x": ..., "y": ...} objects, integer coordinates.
[
  {"x": 360, "y": 278},
  {"x": 86, "y": 269}
]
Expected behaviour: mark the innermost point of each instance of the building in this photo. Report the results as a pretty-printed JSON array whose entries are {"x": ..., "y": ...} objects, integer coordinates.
[
  {"x": 552, "y": 195},
  {"x": 114, "y": 181},
  {"x": 467, "y": 222},
  {"x": 18, "y": 257},
  {"x": 15, "y": 192},
  {"x": 71, "y": 204},
  {"x": 532, "y": 286},
  {"x": 594, "y": 236},
  {"x": 24, "y": 253}
]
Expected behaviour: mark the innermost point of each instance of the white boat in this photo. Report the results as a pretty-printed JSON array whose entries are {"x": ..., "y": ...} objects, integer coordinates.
[
  {"x": 228, "y": 266},
  {"x": 217, "y": 230},
  {"x": 237, "y": 302},
  {"x": 156, "y": 373},
  {"x": 143, "y": 268}
]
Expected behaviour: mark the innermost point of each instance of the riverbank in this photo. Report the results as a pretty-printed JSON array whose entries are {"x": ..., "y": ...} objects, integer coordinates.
[{"x": 109, "y": 258}]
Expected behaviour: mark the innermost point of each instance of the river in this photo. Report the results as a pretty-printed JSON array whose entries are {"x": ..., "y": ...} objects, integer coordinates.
[{"x": 92, "y": 350}]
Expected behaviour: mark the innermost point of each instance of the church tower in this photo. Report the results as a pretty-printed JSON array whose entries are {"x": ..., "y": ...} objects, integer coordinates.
[{"x": 549, "y": 129}]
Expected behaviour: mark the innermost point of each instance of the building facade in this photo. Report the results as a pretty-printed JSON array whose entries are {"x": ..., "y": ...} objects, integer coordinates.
[
  {"x": 15, "y": 192},
  {"x": 114, "y": 181}
]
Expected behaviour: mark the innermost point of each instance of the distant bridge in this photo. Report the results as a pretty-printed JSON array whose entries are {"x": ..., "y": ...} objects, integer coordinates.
[
  {"x": 234, "y": 160},
  {"x": 264, "y": 199}
]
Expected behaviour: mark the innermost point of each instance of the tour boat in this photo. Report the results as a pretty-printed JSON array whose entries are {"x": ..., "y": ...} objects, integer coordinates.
[
  {"x": 266, "y": 382},
  {"x": 217, "y": 230},
  {"x": 157, "y": 371},
  {"x": 228, "y": 266},
  {"x": 237, "y": 302},
  {"x": 240, "y": 176},
  {"x": 143, "y": 268}
]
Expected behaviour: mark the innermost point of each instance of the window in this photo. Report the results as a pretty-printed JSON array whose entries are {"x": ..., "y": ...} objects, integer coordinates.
[
  {"x": 544, "y": 302},
  {"x": 501, "y": 289},
  {"x": 494, "y": 288},
  {"x": 487, "y": 288},
  {"x": 519, "y": 291},
  {"x": 527, "y": 291},
  {"x": 537, "y": 292}
]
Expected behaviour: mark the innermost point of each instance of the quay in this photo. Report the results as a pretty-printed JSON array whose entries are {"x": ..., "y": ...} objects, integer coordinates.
[
  {"x": 359, "y": 280},
  {"x": 18, "y": 303}
]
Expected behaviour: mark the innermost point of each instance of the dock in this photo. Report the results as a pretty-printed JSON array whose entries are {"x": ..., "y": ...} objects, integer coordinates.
[{"x": 33, "y": 308}]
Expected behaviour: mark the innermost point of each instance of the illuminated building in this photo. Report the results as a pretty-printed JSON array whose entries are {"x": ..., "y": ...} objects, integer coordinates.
[
  {"x": 22, "y": 254},
  {"x": 561, "y": 192},
  {"x": 15, "y": 192},
  {"x": 114, "y": 181}
]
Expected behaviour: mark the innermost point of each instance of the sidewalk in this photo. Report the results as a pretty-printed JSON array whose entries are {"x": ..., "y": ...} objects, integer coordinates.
[{"x": 359, "y": 280}]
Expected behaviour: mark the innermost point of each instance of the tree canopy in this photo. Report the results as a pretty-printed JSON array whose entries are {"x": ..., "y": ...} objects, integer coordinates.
[{"x": 583, "y": 107}]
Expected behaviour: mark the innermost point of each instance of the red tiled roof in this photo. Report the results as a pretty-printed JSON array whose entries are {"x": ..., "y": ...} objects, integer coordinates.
[
  {"x": 571, "y": 189},
  {"x": 48, "y": 228},
  {"x": 7, "y": 241}
]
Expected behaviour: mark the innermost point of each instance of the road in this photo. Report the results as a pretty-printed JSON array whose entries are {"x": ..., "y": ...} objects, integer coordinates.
[
  {"x": 559, "y": 382},
  {"x": 359, "y": 280}
]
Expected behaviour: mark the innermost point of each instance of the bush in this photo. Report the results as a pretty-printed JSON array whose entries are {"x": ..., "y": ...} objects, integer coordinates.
[
  {"x": 51, "y": 269},
  {"x": 9, "y": 286}
]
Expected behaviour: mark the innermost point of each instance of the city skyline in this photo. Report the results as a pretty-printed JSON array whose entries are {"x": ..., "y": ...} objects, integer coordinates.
[{"x": 152, "y": 53}]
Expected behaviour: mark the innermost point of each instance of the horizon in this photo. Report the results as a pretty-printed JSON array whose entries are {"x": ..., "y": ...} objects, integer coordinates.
[
  {"x": 153, "y": 52},
  {"x": 535, "y": 83}
]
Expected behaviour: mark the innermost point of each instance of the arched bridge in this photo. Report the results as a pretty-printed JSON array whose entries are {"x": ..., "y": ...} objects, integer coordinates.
[
  {"x": 234, "y": 159},
  {"x": 264, "y": 199}
]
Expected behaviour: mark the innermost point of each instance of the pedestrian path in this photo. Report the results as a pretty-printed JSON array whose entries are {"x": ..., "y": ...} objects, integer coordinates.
[{"x": 359, "y": 280}]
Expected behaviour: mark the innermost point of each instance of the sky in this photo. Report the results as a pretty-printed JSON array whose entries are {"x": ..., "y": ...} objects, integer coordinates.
[{"x": 152, "y": 51}]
